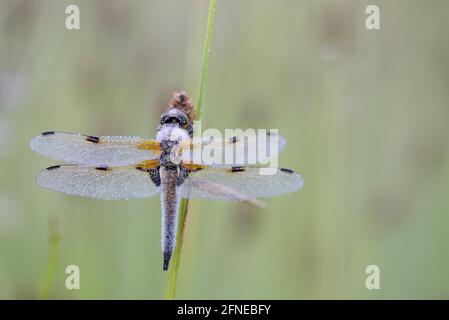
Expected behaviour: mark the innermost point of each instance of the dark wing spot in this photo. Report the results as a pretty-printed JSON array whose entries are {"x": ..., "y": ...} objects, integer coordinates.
[
  {"x": 155, "y": 177},
  {"x": 47, "y": 133},
  {"x": 93, "y": 139},
  {"x": 53, "y": 167},
  {"x": 287, "y": 170},
  {"x": 103, "y": 168},
  {"x": 237, "y": 169},
  {"x": 153, "y": 173},
  {"x": 233, "y": 139}
]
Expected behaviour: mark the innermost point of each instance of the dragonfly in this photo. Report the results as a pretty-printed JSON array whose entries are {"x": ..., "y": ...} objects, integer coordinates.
[{"x": 124, "y": 167}]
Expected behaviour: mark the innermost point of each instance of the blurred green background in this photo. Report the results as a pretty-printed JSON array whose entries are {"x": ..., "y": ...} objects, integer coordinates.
[{"x": 365, "y": 115}]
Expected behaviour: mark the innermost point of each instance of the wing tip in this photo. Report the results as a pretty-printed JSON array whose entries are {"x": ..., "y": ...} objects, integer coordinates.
[
  {"x": 36, "y": 141},
  {"x": 40, "y": 179},
  {"x": 299, "y": 178},
  {"x": 300, "y": 182}
]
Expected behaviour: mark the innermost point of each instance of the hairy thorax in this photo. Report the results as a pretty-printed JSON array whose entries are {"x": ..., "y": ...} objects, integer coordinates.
[{"x": 169, "y": 138}]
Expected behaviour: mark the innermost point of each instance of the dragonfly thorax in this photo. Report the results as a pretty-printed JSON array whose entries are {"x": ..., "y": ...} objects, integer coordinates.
[{"x": 168, "y": 156}]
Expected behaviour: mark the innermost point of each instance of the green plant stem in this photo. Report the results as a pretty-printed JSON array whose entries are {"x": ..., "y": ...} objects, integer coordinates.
[
  {"x": 172, "y": 273},
  {"x": 49, "y": 273},
  {"x": 206, "y": 51}
]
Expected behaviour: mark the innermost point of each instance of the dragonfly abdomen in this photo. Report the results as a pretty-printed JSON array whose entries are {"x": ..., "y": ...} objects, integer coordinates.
[{"x": 169, "y": 205}]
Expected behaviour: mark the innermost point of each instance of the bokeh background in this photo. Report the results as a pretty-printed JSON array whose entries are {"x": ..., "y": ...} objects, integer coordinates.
[{"x": 365, "y": 115}]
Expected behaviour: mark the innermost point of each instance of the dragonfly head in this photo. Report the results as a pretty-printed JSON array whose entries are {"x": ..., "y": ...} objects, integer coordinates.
[{"x": 175, "y": 117}]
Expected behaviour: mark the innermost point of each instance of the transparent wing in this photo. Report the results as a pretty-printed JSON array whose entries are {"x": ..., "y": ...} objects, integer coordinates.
[
  {"x": 240, "y": 150},
  {"x": 99, "y": 183},
  {"x": 239, "y": 183},
  {"x": 75, "y": 148}
]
